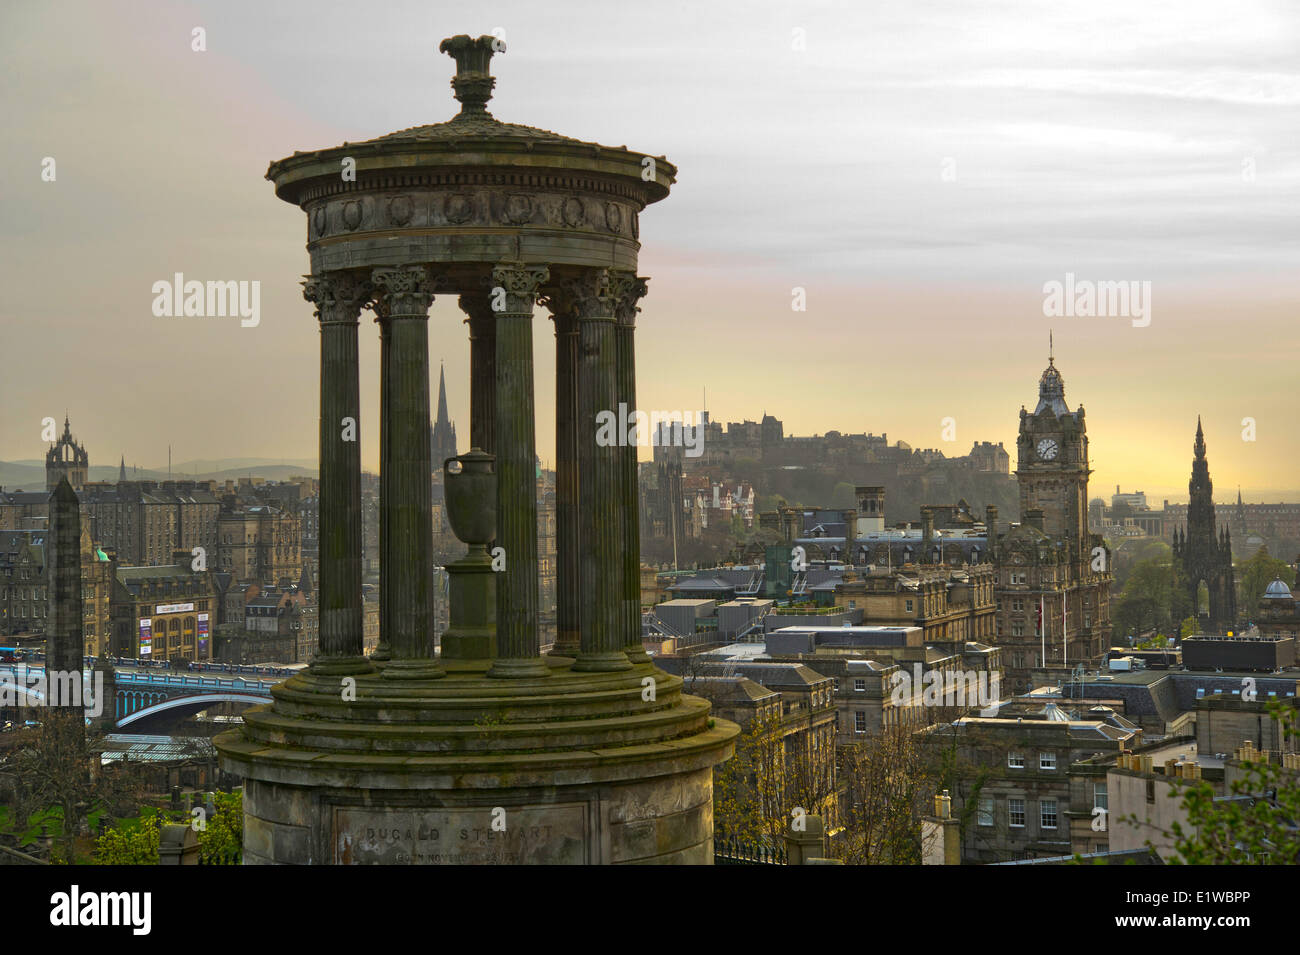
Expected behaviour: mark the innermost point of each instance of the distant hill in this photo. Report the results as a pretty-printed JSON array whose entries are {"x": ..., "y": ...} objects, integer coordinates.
[{"x": 30, "y": 475}]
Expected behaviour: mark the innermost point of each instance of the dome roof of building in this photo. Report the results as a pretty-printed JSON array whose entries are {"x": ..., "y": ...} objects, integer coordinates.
[
  {"x": 1277, "y": 590},
  {"x": 474, "y": 138}
]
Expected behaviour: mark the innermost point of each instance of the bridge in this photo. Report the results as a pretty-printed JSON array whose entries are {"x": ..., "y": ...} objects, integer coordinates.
[{"x": 140, "y": 694}]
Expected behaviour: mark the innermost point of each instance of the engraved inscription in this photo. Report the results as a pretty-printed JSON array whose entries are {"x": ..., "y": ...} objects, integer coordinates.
[{"x": 532, "y": 835}]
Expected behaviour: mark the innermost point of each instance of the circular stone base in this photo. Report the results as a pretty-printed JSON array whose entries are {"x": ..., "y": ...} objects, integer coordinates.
[{"x": 603, "y": 767}]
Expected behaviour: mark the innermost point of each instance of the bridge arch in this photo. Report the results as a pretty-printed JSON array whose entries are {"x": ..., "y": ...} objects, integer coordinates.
[{"x": 194, "y": 702}]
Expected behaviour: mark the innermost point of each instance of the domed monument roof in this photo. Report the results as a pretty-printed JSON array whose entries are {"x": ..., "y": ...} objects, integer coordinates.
[
  {"x": 474, "y": 138},
  {"x": 1277, "y": 590}
]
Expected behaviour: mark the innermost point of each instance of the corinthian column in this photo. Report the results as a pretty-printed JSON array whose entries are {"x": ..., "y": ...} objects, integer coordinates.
[
  {"x": 600, "y": 544},
  {"x": 567, "y": 479},
  {"x": 339, "y": 297},
  {"x": 482, "y": 368},
  {"x": 514, "y": 290},
  {"x": 406, "y": 546},
  {"x": 627, "y": 289}
]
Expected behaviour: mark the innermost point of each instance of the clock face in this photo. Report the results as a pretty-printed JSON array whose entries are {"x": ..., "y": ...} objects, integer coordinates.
[{"x": 1047, "y": 449}]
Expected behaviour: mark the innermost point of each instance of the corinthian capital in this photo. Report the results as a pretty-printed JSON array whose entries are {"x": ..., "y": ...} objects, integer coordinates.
[
  {"x": 515, "y": 285},
  {"x": 585, "y": 297},
  {"x": 626, "y": 289},
  {"x": 405, "y": 290},
  {"x": 338, "y": 296}
]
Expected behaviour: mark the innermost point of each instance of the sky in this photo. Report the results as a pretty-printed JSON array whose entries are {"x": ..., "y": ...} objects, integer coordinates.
[{"x": 920, "y": 170}]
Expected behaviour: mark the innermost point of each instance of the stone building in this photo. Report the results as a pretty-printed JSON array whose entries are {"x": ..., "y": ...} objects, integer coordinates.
[
  {"x": 164, "y": 612},
  {"x": 1054, "y": 575},
  {"x": 146, "y": 522},
  {"x": 798, "y": 708},
  {"x": 881, "y": 675},
  {"x": 24, "y": 587},
  {"x": 987, "y": 456},
  {"x": 66, "y": 458},
  {"x": 23, "y": 510},
  {"x": 1279, "y": 612},
  {"x": 1013, "y": 778},
  {"x": 949, "y": 603},
  {"x": 259, "y": 542},
  {"x": 98, "y": 573},
  {"x": 24, "y": 590}
]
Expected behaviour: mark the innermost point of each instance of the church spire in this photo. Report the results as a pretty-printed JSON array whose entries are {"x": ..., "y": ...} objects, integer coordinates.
[
  {"x": 442, "y": 395},
  {"x": 443, "y": 433},
  {"x": 121, "y": 471}
]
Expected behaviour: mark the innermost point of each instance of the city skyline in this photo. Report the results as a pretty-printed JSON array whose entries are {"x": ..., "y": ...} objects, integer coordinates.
[
  {"x": 861, "y": 437},
  {"x": 921, "y": 210}
]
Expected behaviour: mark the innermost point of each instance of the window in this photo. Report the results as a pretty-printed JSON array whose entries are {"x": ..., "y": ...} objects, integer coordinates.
[
  {"x": 1017, "y": 629},
  {"x": 909, "y": 606},
  {"x": 1015, "y": 760},
  {"x": 1016, "y": 813},
  {"x": 860, "y": 686},
  {"x": 1100, "y": 797},
  {"x": 1018, "y": 605},
  {"x": 1047, "y": 761},
  {"x": 985, "y": 815},
  {"x": 1047, "y": 813},
  {"x": 859, "y": 721}
]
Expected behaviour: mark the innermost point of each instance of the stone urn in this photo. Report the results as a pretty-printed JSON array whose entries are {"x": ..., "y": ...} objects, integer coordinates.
[{"x": 471, "y": 493}]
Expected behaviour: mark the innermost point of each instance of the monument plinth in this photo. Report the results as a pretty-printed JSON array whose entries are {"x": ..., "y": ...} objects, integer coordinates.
[{"x": 489, "y": 752}]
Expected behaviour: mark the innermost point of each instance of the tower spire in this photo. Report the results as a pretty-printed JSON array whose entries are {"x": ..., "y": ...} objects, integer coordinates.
[
  {"x": 442, "y": 394},
  {"x": 443, "y": 433}
]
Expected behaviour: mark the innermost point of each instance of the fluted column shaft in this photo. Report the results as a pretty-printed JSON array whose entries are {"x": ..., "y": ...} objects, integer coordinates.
[
  {"x": 513, "y": 292},
  {"x": 406, "y": 493},
  {"x": 482, "y": 369},
  {"x": 567, "y": 483},
  {"x": 383, "y": 652},
  {"x": 600, "y": 541},
  {"x": 339, "y": 297},
  {"x": 627, "y": 289}
]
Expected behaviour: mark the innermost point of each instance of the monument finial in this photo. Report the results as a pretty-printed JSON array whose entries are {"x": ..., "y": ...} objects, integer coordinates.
[{"x": 472, "y": 85}]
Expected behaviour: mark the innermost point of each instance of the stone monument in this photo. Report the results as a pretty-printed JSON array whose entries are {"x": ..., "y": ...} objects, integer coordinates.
[{"x": 491, "y": 751}]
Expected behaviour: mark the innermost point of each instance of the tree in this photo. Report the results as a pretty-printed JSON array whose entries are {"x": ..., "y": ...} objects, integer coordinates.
[
  {"x": 1254, "y": 575},
  {"x": 1128, "y": 551},
  {"x": 889, "y": 782},
  {"x": 59, "y": 767},
  {"x": 1153, "y": 598},
  {"x": 222, "y": 839},
  {"x": 135, "y": 845},
  {"x": 747, "y": 788}
]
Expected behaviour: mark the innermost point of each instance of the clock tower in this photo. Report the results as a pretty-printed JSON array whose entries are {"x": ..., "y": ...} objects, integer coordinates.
[{"x": 1052, "y": 467}]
